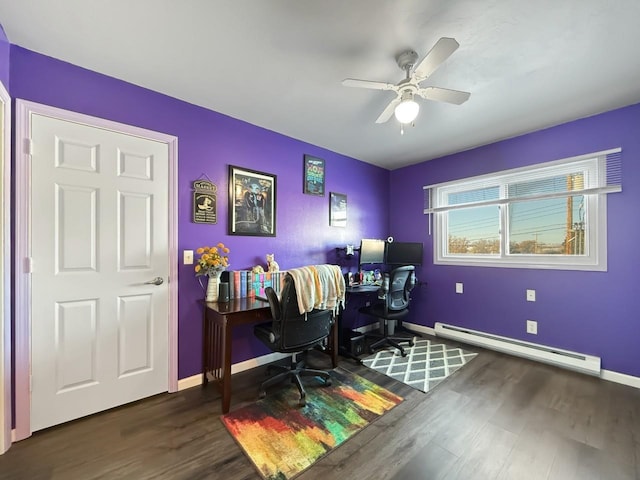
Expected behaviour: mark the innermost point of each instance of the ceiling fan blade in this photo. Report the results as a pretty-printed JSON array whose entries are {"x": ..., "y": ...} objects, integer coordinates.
[
  {"x": 438, "y": 54},
  {"x": 352, "y": 82},
  {"x": 444, "y": 95},
  {"x": 387, "y": 112}
]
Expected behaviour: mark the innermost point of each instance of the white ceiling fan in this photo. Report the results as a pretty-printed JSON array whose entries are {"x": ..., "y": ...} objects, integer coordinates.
[{"x": 404, "y": 105}]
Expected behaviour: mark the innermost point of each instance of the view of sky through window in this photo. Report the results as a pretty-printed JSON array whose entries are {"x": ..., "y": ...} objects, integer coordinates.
[{"x": 548, "y": 226}]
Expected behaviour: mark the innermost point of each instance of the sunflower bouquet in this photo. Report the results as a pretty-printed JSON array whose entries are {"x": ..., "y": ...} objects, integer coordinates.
[{"x": 212, "y": 261}]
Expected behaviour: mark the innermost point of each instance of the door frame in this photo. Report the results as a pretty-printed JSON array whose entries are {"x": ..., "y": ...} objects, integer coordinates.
[
  {"x": 5, "y": 272},
  {"x": 22, "y": 216}
]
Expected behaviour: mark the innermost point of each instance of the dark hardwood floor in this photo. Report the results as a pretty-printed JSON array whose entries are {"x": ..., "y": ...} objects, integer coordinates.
[{"x": 500, "y": 417}]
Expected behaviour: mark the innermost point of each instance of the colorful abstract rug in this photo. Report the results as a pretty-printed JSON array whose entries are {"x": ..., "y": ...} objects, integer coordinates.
[
  {"x": 426, "y": 365},
  {"x": 282, "y": 439}
]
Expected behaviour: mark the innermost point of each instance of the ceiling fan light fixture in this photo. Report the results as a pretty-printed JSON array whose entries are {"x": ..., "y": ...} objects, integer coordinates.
[{"x": 407, "y": 110}]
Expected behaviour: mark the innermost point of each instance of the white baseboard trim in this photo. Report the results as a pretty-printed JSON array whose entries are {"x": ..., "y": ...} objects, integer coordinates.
[
  {"x": 258, "y": 361},
  {"x": 192, "y": 381},
  {"x": 195, "y": 380},
  {"x": 621, "y": 378},
  {"x": 367, "y": 328},
  {"x": 420, "y": 328}
]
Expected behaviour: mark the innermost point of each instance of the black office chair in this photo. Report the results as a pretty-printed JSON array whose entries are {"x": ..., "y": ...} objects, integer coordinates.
[
  {"x": 291, "y": 332},
  {"x": 394, "y": 292}
]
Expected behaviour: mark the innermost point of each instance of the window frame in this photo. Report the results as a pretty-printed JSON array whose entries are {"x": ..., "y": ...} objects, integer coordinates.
[{"x": 595, "y": 257}]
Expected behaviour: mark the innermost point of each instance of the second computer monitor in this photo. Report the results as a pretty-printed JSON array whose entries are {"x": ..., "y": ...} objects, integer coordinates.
[{"x": 403, "y": 253}]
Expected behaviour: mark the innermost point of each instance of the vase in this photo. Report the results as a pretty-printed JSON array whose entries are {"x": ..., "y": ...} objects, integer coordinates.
[{"x": 212, "y": 287}]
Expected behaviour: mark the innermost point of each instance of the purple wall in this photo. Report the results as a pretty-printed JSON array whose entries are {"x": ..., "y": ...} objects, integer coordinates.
[
  {"x": 208, "y": 143},
  {"x": 590, "y": 312}
]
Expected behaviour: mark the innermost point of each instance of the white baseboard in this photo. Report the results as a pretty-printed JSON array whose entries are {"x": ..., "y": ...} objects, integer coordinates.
[
  {"x": 367, "y": 328},
  {"x": 195, "y": 380},
  {"x": 192, "y": 381},
  {"x": 419, "y": 328},
  {"x": 621, "y": 378},
  {"x": 258, "y": 361}
]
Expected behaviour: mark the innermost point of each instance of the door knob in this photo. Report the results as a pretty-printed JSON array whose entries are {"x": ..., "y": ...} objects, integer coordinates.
[{"x": 155, "y": 281}]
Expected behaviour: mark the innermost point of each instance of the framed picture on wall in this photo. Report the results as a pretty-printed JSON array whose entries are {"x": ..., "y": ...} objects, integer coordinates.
[
  {"x": 252, "y": 202},
  {"x": 337, "y": 209},
  {"x": 313, "y": 176}
]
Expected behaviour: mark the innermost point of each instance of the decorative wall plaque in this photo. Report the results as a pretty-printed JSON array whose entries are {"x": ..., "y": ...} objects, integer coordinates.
[{"x": 204, "y": 202}]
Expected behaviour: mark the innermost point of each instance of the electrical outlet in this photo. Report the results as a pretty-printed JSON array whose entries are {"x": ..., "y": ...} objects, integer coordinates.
[
  {"x": 532, "y": 327},
  {"x": 459, "y": 288},
  {"x": 188, "y": 257},
  {"x": 531, "y": 295}
]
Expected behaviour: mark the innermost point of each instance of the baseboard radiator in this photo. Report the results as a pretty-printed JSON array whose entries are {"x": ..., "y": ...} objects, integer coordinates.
[{"x": 562, "y": 358}]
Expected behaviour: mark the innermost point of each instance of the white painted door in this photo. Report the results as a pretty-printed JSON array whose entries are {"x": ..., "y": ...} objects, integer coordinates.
[{"x": 99, "y": 235}]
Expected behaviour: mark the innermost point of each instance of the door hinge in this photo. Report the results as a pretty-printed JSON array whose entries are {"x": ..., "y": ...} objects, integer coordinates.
[
  {"x": 28, "y": 265},
  {"x": 28, "y": 146}
]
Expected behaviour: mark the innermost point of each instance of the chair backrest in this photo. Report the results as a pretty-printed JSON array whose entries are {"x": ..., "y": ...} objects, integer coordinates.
[
  {"x": 293, "y": 330},
  {"x": 400, "y": 283}
]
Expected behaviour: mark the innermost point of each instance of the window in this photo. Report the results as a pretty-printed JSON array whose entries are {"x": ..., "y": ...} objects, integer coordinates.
[{"x": 551, "y": 215}]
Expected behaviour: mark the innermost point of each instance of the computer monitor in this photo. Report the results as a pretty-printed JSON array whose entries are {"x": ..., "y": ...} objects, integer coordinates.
[
  {"x": 403, "y": 253},
  {"x": 371, "y": 251}
]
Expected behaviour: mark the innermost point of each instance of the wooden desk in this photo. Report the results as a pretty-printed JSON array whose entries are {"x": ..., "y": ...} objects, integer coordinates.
[{"x": 219, "y": 320}]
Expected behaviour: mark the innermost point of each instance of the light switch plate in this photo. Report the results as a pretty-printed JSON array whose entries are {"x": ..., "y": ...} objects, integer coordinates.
[
  {"x": 459, "y": 288},
  {"x": 188, "y": 257},
  {"x": 531, "y": 295}
]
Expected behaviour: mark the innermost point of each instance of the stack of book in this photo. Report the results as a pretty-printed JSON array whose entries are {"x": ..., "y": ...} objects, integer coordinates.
[{"x": 245, "y": 283}]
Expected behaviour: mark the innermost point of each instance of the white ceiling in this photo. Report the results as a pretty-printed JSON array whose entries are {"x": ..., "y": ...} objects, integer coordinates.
[{"x": 279, "y": 64}]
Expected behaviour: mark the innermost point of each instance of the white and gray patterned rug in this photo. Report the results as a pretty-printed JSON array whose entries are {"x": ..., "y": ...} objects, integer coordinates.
[{"x": 425, "y": 366}]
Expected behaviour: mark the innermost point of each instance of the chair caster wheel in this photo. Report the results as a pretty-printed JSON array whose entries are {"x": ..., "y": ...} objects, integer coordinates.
[
  {"x": 411, "y": 344},
  {"x": 327, "y": 382},
  {"x": 262, "y": 394},
  {"x": 302, "y": 403}
]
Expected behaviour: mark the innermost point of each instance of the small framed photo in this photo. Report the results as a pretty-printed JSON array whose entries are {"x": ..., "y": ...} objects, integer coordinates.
[
  {"x": 337, "y": 209},
  {"x": 313, "y": 176},
  {"x": 252, "y": 202}
]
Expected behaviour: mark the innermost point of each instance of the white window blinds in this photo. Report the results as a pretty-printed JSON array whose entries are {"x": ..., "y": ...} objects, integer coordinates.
[{"x": 594, "y": 173}]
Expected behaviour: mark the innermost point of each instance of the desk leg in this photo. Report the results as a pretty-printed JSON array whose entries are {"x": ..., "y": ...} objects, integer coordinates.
[
  {"x": 206, "y": 348},
  {"x": 226, "y": 373},
  {"x": 334, "y": 344},
  {"x": 216, "y": 354}
]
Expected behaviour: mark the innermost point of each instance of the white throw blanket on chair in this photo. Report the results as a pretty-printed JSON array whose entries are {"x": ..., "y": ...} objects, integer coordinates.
[{"x": 319, "y": 286}]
